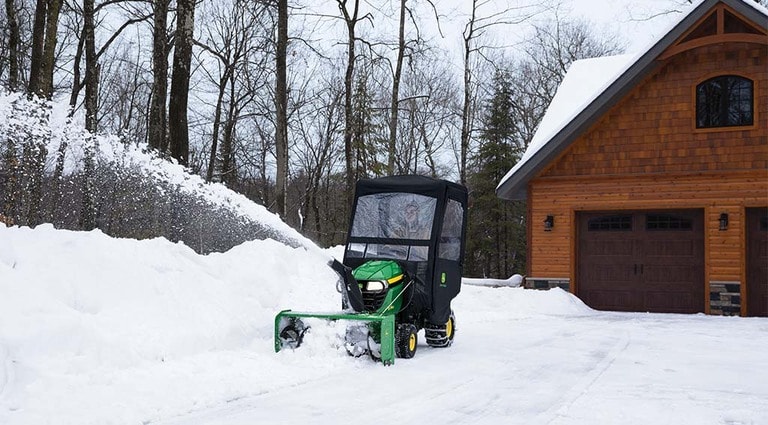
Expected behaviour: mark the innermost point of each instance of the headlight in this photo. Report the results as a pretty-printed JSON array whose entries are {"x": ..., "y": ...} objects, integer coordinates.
[{"x": 376, "y": 285}]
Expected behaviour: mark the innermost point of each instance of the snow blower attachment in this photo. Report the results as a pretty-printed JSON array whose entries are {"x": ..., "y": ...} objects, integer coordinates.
[{"x": 402, "y": 267}]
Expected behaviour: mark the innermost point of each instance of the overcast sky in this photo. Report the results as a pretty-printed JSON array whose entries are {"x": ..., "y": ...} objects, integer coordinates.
[{"x": 634, "y": 22}]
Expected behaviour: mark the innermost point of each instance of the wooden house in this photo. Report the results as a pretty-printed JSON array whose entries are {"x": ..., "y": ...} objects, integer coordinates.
[{"x": 650, "y": 193}]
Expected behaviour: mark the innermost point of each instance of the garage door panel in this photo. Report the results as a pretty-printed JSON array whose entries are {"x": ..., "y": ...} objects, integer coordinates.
[
  {"x": 610, "y": 248},
  {"x": 614, "y": 300},
  {"x": 669, "y": 302},
  {"x": 670, "y": 249},
  {"x": 611, "y": 276},
  {"x": 670, "y": 275},
  {"x": 642, "y": 261}
]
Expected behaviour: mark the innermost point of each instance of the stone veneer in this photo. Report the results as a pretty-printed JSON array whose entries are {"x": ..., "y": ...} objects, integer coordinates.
[
  {"x": 724, "y": 298},
  {"x": 548, "y": 283}
]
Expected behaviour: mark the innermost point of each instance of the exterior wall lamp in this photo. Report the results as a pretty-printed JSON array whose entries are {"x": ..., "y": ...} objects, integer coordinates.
[
  {"x": 549, "y": 223},
  {"x": 724, "y": 221}
]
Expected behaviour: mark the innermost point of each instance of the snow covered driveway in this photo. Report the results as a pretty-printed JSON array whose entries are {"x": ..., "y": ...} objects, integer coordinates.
[{"x": 512, "y": 365}]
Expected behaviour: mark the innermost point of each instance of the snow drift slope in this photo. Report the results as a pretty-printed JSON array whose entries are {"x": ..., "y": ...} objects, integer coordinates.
[
  {"x": 86, "y": 320},
  {"x": 95, "y": 330}
]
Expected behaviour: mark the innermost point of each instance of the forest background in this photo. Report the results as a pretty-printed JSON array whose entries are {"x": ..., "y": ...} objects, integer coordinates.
[{"x": 286, "y": 102}]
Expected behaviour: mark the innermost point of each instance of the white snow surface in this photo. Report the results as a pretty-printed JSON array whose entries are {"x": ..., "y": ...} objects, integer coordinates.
[{"x": 96, "y": 330}]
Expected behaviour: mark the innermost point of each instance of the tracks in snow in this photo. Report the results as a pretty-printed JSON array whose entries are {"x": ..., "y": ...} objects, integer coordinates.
[{"x": 583, "y": 386}]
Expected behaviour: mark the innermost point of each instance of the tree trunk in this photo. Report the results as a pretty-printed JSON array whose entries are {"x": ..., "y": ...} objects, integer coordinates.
[
  {"x": 157, "y": 116},
  {"x": 76, "y": 74},
  {"x": 351, "y": 21},
  {"x": 216, "y": 128},
  {"x": 38, "y": 44},
  {"x": 396, "y": 92},
  {"x": 91, "y": 67},
  {"x": 45, "y": 88},
  {"x": 14, "y": 41},
  {"x": 87, "y": 212},
  {"x": 466, "y": 117},
  {"x": 178, "y": 129},
  {"x": 281, "y": 106},
  {"x": 228, "y": 172}
]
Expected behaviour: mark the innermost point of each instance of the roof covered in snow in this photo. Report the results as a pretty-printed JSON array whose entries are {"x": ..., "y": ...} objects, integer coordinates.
[{"x": 592, "y": 86}]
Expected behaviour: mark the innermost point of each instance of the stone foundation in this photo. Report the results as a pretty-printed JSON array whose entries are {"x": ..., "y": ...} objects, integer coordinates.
[
  {"x": 548, "y": 283},
  {"x": 724, "y": 298}
]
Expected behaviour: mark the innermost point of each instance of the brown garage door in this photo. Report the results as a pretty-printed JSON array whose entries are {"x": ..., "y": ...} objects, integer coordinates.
[
  {"x": 757, "y": 262},
  {"x": 642, "y": 261}
]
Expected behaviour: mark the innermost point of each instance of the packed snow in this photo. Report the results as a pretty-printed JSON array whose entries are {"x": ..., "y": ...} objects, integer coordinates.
[{"x": 96, "y": 330}]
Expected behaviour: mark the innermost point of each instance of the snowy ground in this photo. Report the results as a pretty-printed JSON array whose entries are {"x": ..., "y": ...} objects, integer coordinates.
[{"x": 95, "y": 330}]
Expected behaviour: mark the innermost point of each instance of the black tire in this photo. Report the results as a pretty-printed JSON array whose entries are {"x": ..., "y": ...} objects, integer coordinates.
[
  {"x": 406, "y": 340},
  {"x": 441, "y": 336}
]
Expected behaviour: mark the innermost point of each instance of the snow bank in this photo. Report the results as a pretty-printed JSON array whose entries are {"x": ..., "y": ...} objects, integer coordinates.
[
  {"x": 82, "y": 310},
  {"x": 101, "y": 330},
  {"x": 513, "y": 281}
]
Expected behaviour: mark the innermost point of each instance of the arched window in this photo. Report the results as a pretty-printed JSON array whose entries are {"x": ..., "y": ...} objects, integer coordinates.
[{"x": 724, "y": 101}]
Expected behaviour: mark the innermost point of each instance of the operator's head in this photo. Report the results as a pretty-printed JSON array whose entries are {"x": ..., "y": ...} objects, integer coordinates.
[{"x": 411, "y": 212}]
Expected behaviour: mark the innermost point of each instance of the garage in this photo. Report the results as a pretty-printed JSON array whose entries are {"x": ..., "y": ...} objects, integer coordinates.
[
  {"x": 757, "y": 262},
  {"x": 643, "y": 261}
]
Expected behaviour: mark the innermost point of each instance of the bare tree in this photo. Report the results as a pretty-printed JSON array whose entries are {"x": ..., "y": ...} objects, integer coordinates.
[
  {"x": 14, "y": 44},
  {"x": 351, "y": 19},
  {"x": 474, "y": 30},
  {"x": 318, "y": 126},
  {"x": 87, "y": 212},
  {"x": 231, "y": 37},
  {"x": 44, "y": 47},
  {"x": 281, "y": 107},
  {"x": 394, "y": 106},
  {"x": 38, "y": 45},
  {"x": 430, "y": 123},
  {"x": 238, "y": 38},
  {"x": 178, "y": 127},
  {"x": 157, "y": 115}
]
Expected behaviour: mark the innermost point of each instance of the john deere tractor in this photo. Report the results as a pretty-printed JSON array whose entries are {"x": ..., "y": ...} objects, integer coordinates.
[{"x": 401, "y": 269}]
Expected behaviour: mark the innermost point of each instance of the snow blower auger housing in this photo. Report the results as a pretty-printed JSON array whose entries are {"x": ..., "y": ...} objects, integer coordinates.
[{"x": 402, "y": 268}]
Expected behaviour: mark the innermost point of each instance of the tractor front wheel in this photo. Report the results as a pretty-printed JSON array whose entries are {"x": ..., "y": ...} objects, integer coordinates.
[{"x": 406, "y": 340}]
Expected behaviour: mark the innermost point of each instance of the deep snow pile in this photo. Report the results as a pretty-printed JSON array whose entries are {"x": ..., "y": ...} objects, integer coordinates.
[
  {"x": 90, "y": 320},
  {"x": 101, "y": 330}
]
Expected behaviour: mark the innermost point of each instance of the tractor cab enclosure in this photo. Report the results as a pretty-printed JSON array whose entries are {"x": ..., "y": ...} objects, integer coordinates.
[{"x": 419, "y": 222}]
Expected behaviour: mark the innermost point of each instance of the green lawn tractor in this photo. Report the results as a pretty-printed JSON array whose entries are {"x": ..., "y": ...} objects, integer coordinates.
[{"x": 402, "y": 267}]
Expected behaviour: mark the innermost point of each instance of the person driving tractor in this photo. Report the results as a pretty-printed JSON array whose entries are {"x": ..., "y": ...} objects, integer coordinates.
[{"x": 411, "y": 227}]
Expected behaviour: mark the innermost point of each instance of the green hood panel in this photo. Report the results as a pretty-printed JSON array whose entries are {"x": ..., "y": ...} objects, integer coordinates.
[{"x": 377, "y": 270}]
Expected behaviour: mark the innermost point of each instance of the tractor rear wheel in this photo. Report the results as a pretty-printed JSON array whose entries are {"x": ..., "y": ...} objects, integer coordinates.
[
  {"x": 441, "y": 335},
  {"x": 406, "y": 340}
]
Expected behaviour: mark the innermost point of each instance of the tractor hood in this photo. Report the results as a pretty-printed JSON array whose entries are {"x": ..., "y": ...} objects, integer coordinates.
[{"x": 378, "y": 270}]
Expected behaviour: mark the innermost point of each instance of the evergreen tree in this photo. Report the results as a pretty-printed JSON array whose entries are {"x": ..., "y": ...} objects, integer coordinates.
[
  {"x": 366, "y": 131},
  {"x": 496, "y": 242}
]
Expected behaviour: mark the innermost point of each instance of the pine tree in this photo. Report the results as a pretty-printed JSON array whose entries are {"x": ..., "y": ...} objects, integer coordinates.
[
  {"x": 496, "y": 242},
  {"x": 366, "y": 132}
]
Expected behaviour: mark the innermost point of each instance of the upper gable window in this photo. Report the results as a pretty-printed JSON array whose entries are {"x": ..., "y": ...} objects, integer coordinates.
[{"x": 724, "y": 101}]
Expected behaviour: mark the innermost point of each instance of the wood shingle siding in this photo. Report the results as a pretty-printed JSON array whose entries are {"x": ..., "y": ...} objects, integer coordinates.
[{"x": 653, "y": 130}]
